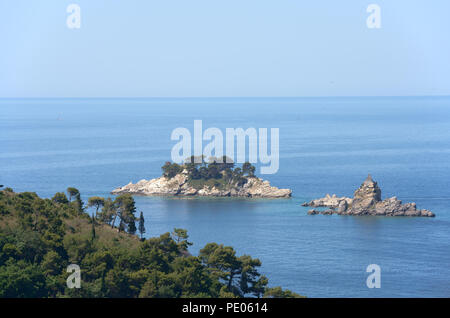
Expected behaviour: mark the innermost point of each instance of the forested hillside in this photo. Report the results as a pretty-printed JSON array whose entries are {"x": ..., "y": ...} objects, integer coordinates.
[{"x": 39, "y": 238}]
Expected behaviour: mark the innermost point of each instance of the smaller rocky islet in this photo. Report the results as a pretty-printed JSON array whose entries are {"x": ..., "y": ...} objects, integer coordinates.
[{"x": 366, "y": 201}]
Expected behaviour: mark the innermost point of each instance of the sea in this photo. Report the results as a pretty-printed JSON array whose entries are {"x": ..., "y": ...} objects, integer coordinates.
[{"x": 326, "y": 145}]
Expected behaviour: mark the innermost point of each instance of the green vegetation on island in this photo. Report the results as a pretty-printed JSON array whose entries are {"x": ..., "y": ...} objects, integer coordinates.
[
  {"x": 214, "y": 172},
  {"x": 39, "y": 238},
  {"x": 215, "y": 178}
]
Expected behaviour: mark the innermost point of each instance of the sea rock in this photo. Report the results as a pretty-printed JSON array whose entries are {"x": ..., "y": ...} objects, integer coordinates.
[
  {"x": 179, "y": 186},
  {"x": 328, "y": 212},
  {"x": 313, "y": 212},
  {"x": 328, "y": 201},
  {"x": 342, "y": 207},
  {"x": 367, "y": 201}
]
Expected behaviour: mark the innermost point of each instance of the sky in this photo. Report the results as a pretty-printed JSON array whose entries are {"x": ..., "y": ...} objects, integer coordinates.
[{"x": 224, "y": 48}]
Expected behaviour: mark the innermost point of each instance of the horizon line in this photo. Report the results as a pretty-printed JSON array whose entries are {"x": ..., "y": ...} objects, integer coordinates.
[{"x": 234, "y": 97}]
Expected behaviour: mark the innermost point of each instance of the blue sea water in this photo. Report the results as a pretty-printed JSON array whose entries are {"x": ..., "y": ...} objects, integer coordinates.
[{"x": 327, "y": 145}]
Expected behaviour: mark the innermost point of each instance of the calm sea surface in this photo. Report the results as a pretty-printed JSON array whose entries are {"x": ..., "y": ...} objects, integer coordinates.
[{"x": 327, "y": 145}]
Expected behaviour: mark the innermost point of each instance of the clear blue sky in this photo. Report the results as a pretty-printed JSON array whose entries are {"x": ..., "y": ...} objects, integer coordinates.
[{"x": 212, "y": 48}]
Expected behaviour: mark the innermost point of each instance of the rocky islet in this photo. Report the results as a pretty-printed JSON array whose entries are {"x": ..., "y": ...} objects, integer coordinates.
[{"x": 366, "y": 201}]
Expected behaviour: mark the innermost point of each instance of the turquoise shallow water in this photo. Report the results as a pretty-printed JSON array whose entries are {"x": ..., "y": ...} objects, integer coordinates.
[{"x": 327, "y": 145}]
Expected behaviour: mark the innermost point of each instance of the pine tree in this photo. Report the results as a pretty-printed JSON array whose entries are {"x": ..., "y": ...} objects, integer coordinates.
[
  {"x": 79, "y": 203},
  {"x": 125, "y": 211},
  {"x": 132, "y": 225},
  {"x": 180, "y": 236},
  {"x": 97, "y": 202},
  {"x": 141, "y": 225},
  {"x": 73, "y": 192},
  {"x": 103, "y": 289},
  {"x": 93, "y": 227},
  {"x": 121, "y": 226}
]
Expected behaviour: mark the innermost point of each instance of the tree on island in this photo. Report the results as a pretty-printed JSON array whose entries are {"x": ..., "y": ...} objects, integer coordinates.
[
  {"x": 248, "y": 169},
  {"x": 216, "y": 168},
  {"x": 196, "y": 160},
  {"x": 171, "y": 169},
  {"x": 228, "y": 175}
]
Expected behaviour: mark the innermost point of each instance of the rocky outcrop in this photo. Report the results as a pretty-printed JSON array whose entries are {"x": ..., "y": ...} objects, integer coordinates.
[
  {"x": 366, "y": 201},
  {"x": 328, "y": 201},
  {"x": 180, "y": 186}
]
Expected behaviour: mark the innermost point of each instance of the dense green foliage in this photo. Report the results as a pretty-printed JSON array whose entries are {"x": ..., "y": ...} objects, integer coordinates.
[
  {"x": 220, "y": 172},
  {"x": 39, "y": 238}
]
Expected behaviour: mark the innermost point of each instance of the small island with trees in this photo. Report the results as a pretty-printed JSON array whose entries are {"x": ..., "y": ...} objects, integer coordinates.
[{"x": 215, "y": 178}]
